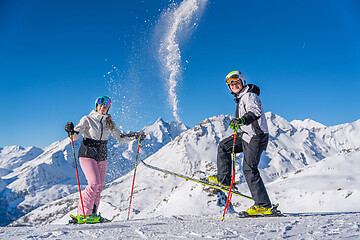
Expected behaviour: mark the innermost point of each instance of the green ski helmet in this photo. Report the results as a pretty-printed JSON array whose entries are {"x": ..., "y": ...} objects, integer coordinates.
[
  {"x": 237, "y": 75},
  {"x": 103, "y": 100}
]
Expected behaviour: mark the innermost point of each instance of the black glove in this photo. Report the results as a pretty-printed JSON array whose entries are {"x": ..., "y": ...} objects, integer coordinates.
[
  {"x": 140, "y": 135},
  {"x": 136, "y": 135},
  {"x": 69, "y": 128}
]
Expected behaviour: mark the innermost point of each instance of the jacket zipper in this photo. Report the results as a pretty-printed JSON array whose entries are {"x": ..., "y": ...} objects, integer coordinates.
[{"x": 102, "y": 127}]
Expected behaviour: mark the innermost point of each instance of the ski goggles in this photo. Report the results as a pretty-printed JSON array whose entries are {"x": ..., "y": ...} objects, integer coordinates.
[
  {"x": 103, "y": 100},
  {"x": 232, "y": 79}
]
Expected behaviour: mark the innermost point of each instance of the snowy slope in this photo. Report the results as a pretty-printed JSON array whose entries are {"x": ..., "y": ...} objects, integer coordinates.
[
  {"x": 32, "y": 177},
  {"x": 329, "y": 185},
  {"x": 305, "y": 226},
  {"x": 297, "y": 149}
]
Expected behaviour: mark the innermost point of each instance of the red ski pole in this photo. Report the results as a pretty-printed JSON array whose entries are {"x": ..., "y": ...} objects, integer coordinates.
[
  {"x": 77, "y": 175},
  {"x": 232, "y": 178},
  {"x": 133, "y": 183}
]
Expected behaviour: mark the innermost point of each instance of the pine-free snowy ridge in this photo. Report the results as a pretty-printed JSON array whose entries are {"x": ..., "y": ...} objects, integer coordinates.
[{"x": 307, "y": 167}]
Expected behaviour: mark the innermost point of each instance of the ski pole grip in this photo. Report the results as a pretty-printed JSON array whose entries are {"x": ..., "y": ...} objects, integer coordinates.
[{"x": 72, "y": 140}]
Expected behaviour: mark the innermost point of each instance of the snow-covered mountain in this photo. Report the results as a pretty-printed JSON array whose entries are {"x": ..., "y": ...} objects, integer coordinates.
[
  {"x": 307, "y": 167},
  {"x": 36, "y": 177},
  {"x": 331, "y": 185},
  {"x": 296, "y": 144},
  {"x": 14, "y": 156},
  {"x": 122, "y": 155},
  {"x": 32, "y": 177}
]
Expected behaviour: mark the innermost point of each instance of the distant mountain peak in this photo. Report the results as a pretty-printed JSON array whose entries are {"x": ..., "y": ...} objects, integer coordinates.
[
  {"x": 160, "y": 120},
  {"x": 307, "y": 123}
]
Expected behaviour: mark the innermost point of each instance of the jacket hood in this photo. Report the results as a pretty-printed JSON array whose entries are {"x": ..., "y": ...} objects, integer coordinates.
[
  {"x": 250, "y": 88},
  {"x": 97, "y": 115}
]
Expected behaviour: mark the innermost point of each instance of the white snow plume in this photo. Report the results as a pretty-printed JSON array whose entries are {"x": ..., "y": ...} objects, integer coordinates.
[
  {"x": 123, "y": 102},
  {"x": 175, "y": 24}
]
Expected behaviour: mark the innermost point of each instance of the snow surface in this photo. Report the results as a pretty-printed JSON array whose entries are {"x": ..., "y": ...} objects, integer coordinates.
[{"x": 297, "y": 226}]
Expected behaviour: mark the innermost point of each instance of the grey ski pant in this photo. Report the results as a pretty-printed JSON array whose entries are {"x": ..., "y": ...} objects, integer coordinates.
[{"x": 252, "y": 153}]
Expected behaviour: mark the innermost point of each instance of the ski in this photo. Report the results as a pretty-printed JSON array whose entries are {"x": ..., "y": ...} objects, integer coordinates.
[{"x": 225, "y": 189}]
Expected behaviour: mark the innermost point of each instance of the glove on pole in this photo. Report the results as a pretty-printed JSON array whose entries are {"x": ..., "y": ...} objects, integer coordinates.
[{"x": 132, "y": 188}]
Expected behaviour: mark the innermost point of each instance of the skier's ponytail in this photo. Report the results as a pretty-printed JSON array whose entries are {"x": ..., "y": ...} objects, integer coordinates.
[{"x": 110, "y": 123}]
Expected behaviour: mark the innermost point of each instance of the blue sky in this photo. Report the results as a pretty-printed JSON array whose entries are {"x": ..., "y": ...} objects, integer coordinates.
[{"x": 56, "y": 57}]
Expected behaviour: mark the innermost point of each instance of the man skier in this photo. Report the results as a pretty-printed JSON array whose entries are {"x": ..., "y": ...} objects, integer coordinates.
[{"x": 252, "y": 141}]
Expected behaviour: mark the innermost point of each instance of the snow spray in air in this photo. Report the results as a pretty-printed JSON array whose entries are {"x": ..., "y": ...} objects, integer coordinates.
[{"x": 175, "y": 24}]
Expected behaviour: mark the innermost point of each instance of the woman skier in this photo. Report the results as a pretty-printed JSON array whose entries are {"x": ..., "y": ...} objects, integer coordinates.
[{"x": 95, "y": 128}]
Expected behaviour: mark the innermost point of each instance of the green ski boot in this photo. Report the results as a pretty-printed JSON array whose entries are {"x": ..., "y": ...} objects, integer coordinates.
[{"x": 93, "y": 218}]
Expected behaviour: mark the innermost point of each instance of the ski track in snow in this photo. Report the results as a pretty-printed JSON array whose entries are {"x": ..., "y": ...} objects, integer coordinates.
[{"x": 293, "y": 226}]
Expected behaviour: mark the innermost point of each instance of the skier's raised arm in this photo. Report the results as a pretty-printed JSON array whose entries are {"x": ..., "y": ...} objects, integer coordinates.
[{"x": 119, "y": 135}]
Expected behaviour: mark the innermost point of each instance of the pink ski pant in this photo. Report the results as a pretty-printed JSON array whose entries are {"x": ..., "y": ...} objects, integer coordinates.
[{"x": 95, "y": 173}]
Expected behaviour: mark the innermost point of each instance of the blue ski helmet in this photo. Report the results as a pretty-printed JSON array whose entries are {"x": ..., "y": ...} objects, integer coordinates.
[{"x": 103, "y": 100}]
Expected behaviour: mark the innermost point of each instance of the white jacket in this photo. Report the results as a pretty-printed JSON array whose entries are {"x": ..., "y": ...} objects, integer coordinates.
[
  {"x": 250, "y": 107},
  {"x": 93, "y": 126}
]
